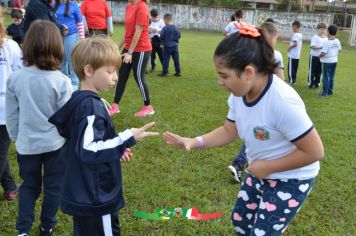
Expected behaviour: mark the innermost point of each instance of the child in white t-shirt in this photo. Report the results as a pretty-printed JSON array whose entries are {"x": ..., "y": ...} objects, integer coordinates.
[
  {"x": 295, "y": 46},
  {"x": 328, "y": 57},
  {"x": 316, "y": 44},
  {"x": 282, "y": 146},
  {"x": 10, "y": 61},
  {"x": 156, "y": 26},
  {"x": 232, "y": 27}
]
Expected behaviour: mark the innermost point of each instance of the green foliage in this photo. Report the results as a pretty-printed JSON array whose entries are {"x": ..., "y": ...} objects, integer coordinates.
[{"x": 161, "y": 176}]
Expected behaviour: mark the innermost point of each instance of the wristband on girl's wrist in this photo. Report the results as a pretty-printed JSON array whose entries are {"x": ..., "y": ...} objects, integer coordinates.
[
  {"x": 130, "y": 52},
  {"x": 200, "y": 140}
]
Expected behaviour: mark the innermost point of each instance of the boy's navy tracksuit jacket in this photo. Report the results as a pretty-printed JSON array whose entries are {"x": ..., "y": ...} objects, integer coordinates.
[{"x": 92, "y": 182}]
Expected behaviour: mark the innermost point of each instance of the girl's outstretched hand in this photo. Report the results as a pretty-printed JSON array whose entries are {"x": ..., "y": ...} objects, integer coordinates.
[
  {"x": 141, "y": 133},
  {"x": 178, "y": 141}
]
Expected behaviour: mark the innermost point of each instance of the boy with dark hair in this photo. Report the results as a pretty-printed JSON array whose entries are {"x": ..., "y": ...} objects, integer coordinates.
[
  {"x": 170, "y": 36},
  {"x": 16, "y": 29},
  {"x": 92, "y": 190},
  {"x": 295, "y": 47},
  {"x": 156, "y": 26},
  {"x": 328, "y": 58},
  {"x": 316, "y": 44}
]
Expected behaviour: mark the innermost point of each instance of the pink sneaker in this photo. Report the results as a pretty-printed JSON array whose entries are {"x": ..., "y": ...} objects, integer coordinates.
[
  {"x": 145, "y": 111},
  {"x": 114, "y": 109}
]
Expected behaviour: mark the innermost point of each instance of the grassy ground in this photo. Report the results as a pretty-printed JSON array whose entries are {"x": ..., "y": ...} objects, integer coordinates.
[{"x": 160, "y": 176}]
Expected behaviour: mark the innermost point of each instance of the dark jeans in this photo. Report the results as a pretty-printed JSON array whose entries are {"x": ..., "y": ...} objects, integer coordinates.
[
  {"x": 167, "y": 53},
  {"x": 6, "y": 179},
  {"x": 96, "y": 225},
  {"x": 314, "y": 71},
  {"x": 328, "y": 78},
  {"x": 138, "y": 65},
  {"x": 31, "y": 173},
  {"x": 292, "y": 70},
  {"x": 156, "y": 48},
  {"x": 93, "y": 32}
]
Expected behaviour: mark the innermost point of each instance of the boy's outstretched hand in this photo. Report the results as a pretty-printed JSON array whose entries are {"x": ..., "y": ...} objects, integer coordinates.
[
  {"x": 178, "y": 141},
  {"x": 141, "y": 133}
]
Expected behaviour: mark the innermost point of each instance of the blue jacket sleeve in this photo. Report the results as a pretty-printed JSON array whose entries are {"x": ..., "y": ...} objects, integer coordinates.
[{"x": 93, "y": 148}]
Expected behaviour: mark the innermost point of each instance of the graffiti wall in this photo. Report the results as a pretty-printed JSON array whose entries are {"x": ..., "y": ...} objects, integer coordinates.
[
  {"x": 284, "y": 21},
  {"x": 353, "y": 33},
  {"x": 216, "y": 18}
]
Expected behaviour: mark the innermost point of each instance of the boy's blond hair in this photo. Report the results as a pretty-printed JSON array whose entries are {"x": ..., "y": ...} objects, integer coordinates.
[
  {"x": 95, "y": 51},
  {"x": 322, "y": 25}
]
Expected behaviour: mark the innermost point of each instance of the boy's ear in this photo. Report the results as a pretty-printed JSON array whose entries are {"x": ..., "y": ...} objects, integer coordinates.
[{"x": 88, "y": 70}]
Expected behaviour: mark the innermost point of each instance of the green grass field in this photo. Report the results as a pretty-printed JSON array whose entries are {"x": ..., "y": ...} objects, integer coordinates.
[{"x": 160, "y": 176}]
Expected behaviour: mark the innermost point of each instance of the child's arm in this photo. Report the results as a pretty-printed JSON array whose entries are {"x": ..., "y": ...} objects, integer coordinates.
[
  {"x": 79, "y": 21},
  {"x": 223, "y": 135},
  {"x": 309, "y": 150},
  {"x": 293, "y": 45},
  {"x": 93, "y": 148},
  {"x": 128, "y": 56},
  {"x": 324, "y": 49},
  {"x": 316, "y": 47},
  {"x": 12, "y": 111}
]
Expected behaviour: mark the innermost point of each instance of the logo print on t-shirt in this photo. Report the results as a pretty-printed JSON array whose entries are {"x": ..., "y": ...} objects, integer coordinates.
[{"x": 260, "y": 133}]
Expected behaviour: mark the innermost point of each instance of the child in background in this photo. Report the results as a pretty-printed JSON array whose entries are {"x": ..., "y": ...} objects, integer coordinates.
[
  {"x": 155, "y": 29},
  {"x": 33, "y": 94},
  {"x": 316, "y": 45},
  {"x": 10, "y": 61},
  {"x": 94, "y": 147},
  {"x": 170, "y": 36},
  {"x": 16, "y": 29},
  {"x": 68, "y": 14},
  {"x": 271, "y": 34},
  {"x": 282, "y": 146},
  {"x": 328, "y": 57},
  {"x": 295, "y": 46},
  {"x": 232, "y": 27}
]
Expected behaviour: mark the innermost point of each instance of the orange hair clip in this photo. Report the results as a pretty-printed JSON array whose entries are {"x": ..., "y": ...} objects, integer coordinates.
[{"x": 248, "y": 30}]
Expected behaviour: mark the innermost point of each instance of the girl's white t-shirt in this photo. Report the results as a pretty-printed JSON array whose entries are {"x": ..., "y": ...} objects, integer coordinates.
[
  {"x": 231, "y": 27},
  {"x": 10, "y": 61},
  {"x": 271, "y": 124}
]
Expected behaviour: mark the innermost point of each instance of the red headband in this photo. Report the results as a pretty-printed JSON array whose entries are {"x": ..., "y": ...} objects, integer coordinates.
[{"x": 248, "y": 30}]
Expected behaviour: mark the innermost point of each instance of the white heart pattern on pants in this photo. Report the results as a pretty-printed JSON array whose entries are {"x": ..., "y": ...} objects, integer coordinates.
[
  {"x": 284, "y": 196},
  {"x": 259, "y": 232},
  {"x": 243, "y": 195},
  {"x": 249, "y": 216},
  {"x": 239, "y": 230},
  {"x": 303, "y": 187},
  {"x": 278, "y": 226},
  {"x": 286, "y": 211}
]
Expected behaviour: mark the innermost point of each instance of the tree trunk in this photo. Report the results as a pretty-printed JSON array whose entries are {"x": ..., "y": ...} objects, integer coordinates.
[
  {"x": 289, "y": 7},
  {"x": 312, "y": 6}
]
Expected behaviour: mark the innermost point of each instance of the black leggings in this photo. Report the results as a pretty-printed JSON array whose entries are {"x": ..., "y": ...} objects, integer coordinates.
[{"x": 138, "y": 64}]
